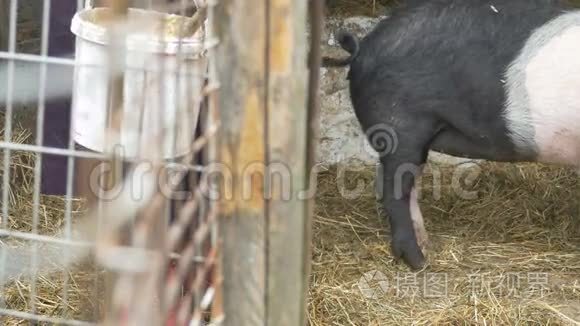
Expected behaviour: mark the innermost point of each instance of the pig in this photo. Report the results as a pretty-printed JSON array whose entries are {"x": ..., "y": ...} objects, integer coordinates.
[{"x": 491, "y": 80}]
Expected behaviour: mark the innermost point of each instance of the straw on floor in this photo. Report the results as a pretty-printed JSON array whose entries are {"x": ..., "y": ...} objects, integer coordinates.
[
  {"x": 508, "y": 256},
  {"x": 78, "y": 301}
]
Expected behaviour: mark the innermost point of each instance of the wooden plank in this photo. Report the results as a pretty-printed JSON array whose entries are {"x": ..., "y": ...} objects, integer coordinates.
[
  {"x": 287, "y": 127},
  {"x": 240, "y": 26},
  {"x": 317, "y": 9}
]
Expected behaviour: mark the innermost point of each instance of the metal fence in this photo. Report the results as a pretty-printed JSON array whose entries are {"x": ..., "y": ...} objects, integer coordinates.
[{"x": 133, "y": 217}]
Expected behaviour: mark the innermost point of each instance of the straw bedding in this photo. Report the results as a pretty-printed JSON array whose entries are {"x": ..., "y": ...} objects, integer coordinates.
[
  {"x": 511, "y": 255},
  {"x": 51, "y": 295}
]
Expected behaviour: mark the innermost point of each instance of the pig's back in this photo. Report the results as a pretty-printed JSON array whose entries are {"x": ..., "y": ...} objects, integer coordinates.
[{"x": 422, "y": 37}]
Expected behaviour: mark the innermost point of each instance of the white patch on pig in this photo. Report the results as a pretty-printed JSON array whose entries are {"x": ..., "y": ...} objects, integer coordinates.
[
  {"x": 418, "y": 224},
  {"x": 553, "y": 83},
  {"x": 543, "y": 86}
]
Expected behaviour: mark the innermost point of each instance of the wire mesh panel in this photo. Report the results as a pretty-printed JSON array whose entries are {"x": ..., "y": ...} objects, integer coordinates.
[{"x": 130, "y": 238}]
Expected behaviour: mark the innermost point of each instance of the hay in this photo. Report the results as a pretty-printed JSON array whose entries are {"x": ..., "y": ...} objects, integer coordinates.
[
  {"x": 50, "y": 289},
  {"x": 523, "y": 223},
  {"x": 345, "y": 8}
]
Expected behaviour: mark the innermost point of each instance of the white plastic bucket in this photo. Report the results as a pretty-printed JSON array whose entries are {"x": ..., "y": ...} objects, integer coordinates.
[{"x": 145, "y": 118}]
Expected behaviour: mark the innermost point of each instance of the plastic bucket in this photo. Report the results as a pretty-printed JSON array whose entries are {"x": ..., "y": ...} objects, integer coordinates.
[{"x": 156, "y": 106}]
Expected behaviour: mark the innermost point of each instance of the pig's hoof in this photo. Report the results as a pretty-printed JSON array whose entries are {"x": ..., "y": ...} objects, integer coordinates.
[
  {"x": 422, "y": 239},
  {"x": 407, "y": 249}
]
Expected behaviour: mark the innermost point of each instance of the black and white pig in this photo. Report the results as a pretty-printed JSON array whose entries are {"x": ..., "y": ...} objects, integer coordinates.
[{"x": 497, "y": 80}]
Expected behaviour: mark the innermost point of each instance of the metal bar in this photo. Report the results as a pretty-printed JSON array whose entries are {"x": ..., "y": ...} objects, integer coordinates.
[
  {"x": 39, "y": 139},
  {"x": 43, "y": 319},
  {"x": 53, "y": 240},
  {"x": 42, "y": 238},
  {"x": 8, "y": 132},
  {"x": 317, "y": 9},
  {"x": 70, "y": 183},
  {"x": 35, "y": 58},
  {"x": 170, "y": 292},
  {"x": 84, "y": 154}
]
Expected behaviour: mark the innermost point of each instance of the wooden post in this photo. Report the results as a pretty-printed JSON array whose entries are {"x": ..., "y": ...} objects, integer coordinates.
[
  {"x": 317, "y": 8},
  {"x": 263, "y": 113},
  {"x": 287, "y": 127},
  {"x": 241, "y": 28}
]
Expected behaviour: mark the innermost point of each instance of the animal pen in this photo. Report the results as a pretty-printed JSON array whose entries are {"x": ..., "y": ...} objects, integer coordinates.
[{"x": 171, "y": 213}]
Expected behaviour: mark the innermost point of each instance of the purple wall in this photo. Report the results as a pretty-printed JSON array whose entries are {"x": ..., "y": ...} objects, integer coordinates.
[{"x": 57, "y": 114}]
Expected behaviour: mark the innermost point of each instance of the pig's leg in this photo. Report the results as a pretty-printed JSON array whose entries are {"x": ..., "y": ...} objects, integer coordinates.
[
  {"x": 418, "y": 224},
  {"x": 400, "y": 169}
]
